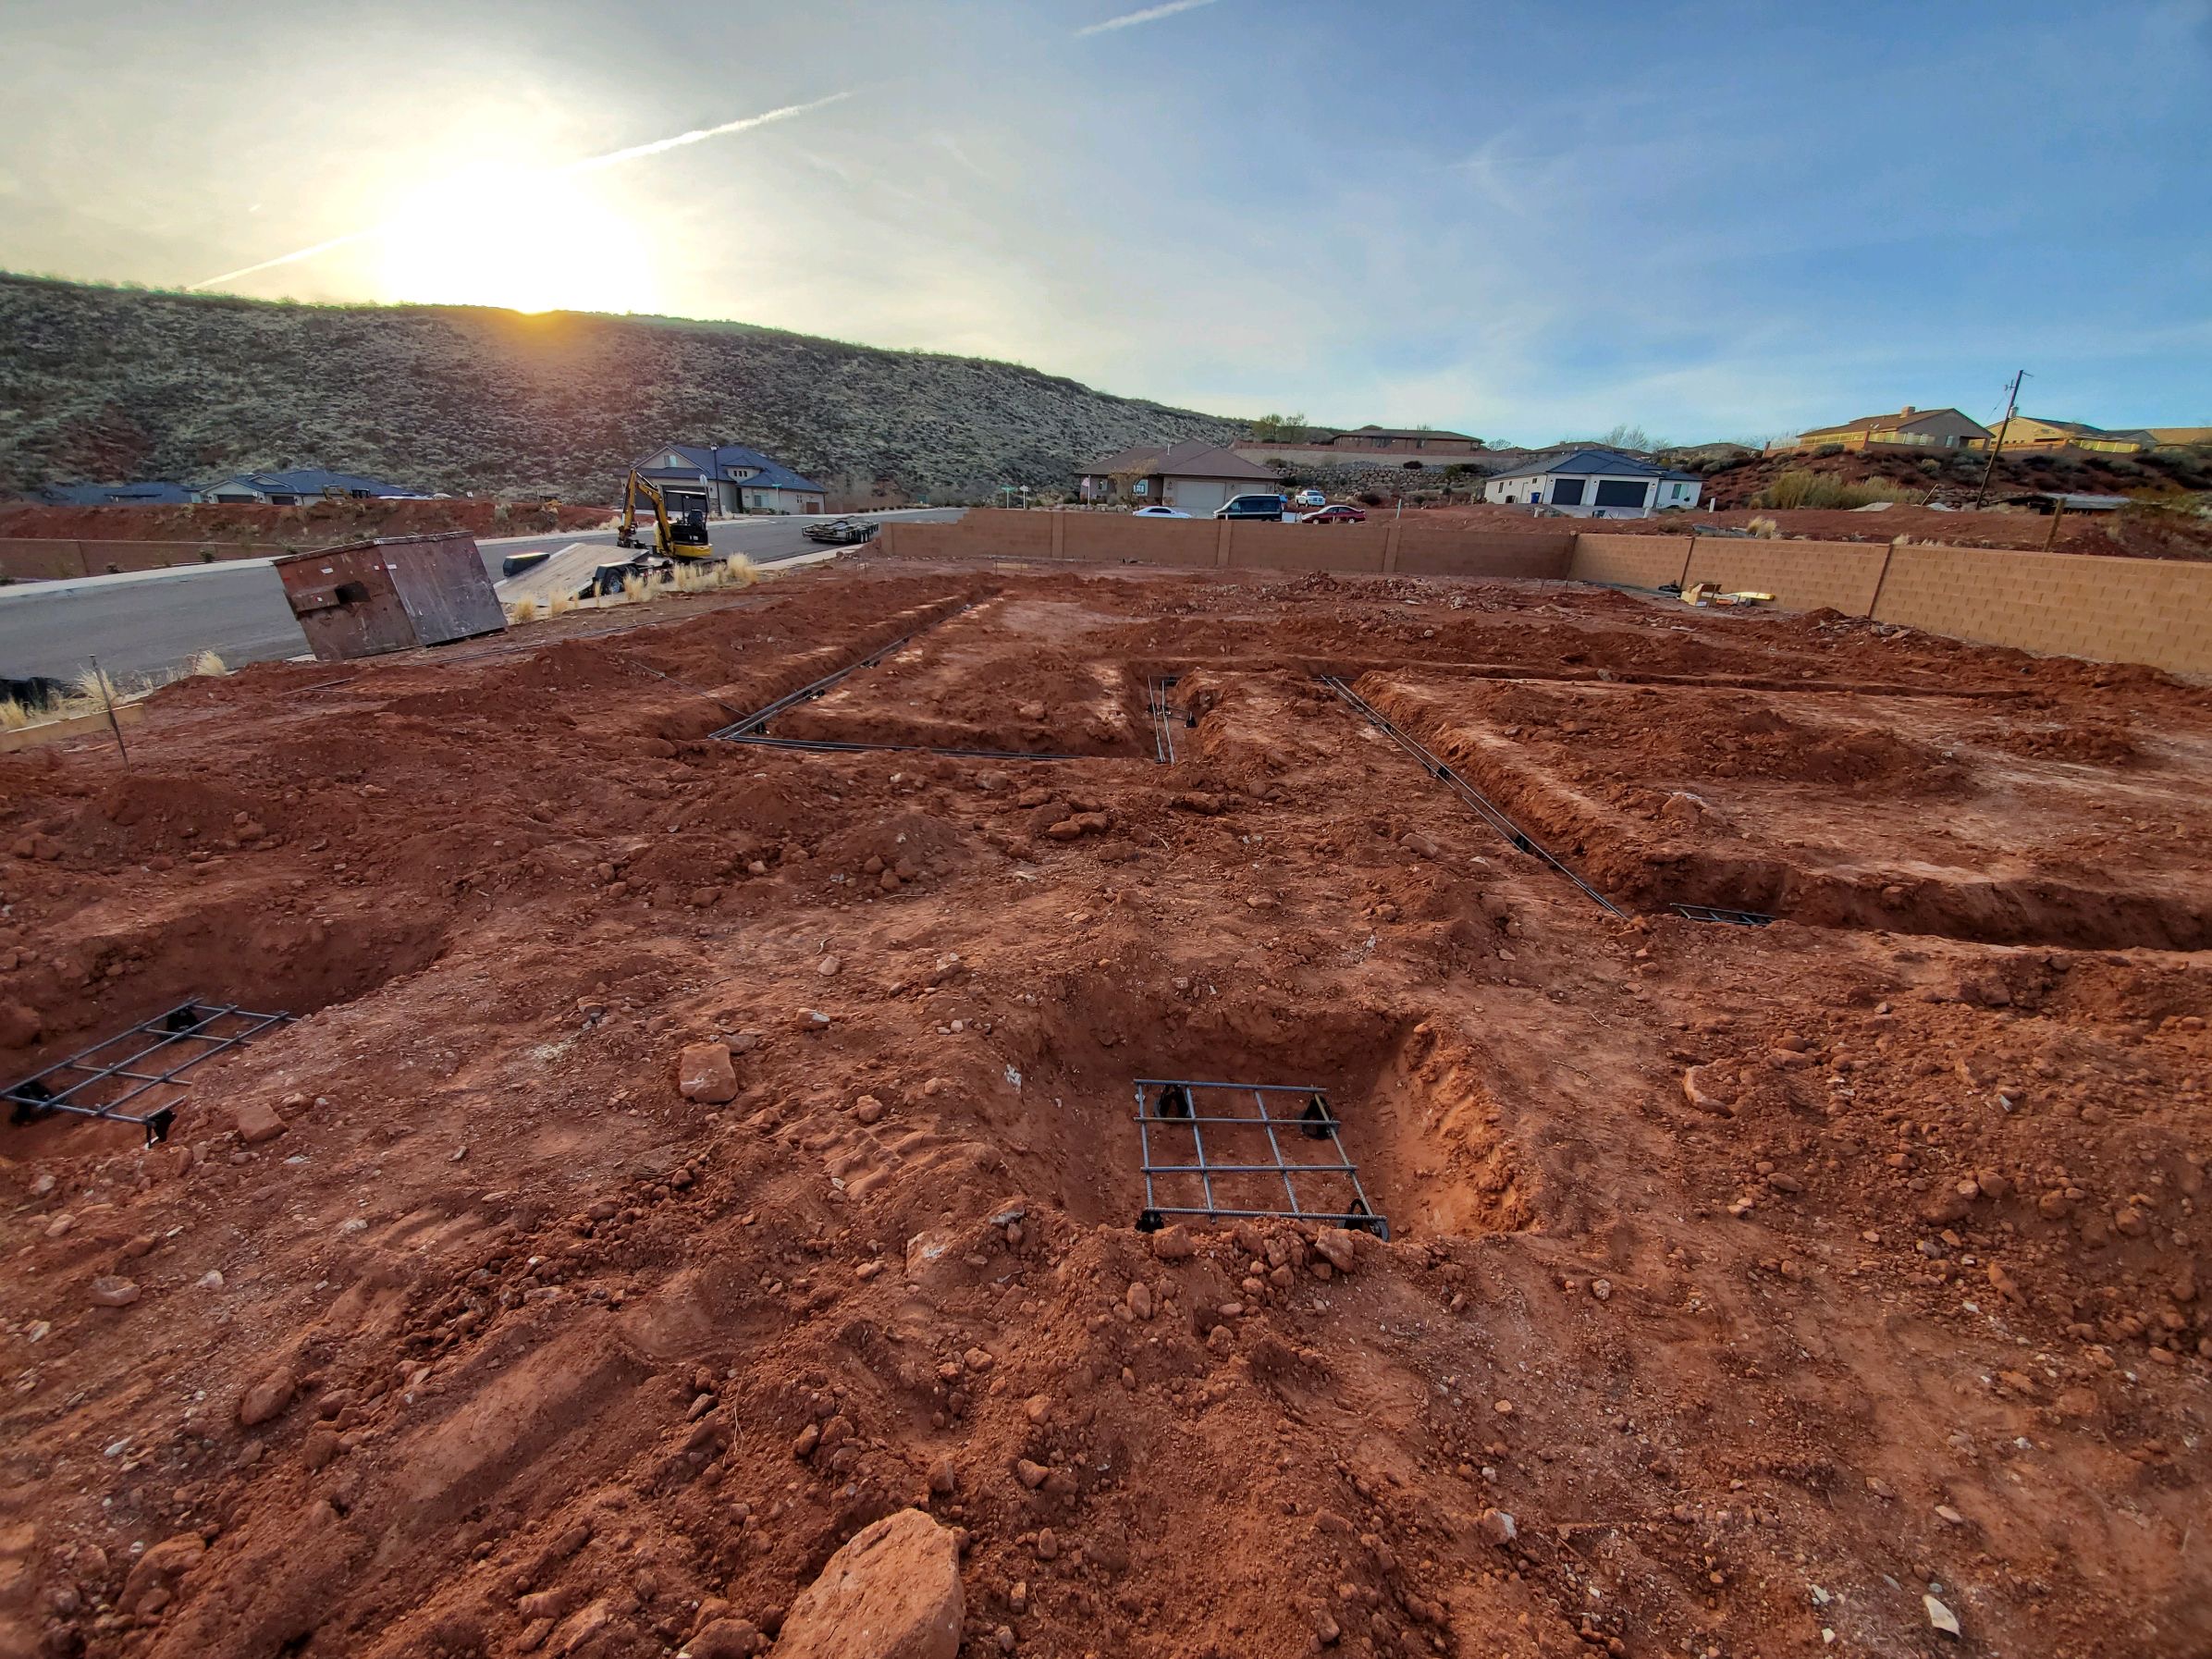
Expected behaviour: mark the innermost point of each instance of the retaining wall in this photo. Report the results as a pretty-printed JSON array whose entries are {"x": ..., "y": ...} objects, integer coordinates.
[
  {"x": 1631, "y": 560},
  {"x": 2151, "y": 611},
  {"x": 1802, "y": 575},
  {"x": 2111, "y": 609},
  {"x": 1372, "y": 548},
  {"x": 46, "y": 559}
]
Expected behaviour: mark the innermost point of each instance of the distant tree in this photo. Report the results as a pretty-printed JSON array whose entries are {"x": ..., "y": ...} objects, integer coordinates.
[
  {"x": 1279, "y": 429},
  {"x": 1625, "y": 436}
]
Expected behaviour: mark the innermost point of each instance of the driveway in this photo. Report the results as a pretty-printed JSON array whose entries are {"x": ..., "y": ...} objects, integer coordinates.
[{"x": 152, "y": 621}]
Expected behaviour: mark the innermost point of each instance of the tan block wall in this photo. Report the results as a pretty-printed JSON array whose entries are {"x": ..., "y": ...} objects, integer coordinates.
[
  {"x": 1348, "y": 548},
  {"x": 2149, "y": 611},
  {"x": 1802, "y": 575},
  {"x": 1631, "y": 560},
  {"x": 1540, "y": 555},
  {"x": 981, "y": 533},
  {"x": 1351, "y": 549},
  {"x": 1110, "y": 537}
]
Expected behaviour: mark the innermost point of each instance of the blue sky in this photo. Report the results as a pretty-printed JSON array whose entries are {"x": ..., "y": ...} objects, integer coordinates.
[{"x": 1525, "y": 221}]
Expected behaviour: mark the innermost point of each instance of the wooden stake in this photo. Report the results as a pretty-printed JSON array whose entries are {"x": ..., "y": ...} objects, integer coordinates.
[{"x": 113, "y": 725}]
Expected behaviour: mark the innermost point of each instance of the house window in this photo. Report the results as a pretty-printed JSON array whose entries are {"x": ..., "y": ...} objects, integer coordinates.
[{"x": 1566, "y": 492}]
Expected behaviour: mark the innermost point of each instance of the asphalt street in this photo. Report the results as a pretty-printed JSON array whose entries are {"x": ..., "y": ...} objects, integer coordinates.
[{"x": 154, "y": 622}]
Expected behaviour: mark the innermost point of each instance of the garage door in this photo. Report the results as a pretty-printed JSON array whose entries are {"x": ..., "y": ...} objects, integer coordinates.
[{"x": 1198, "y": 496}]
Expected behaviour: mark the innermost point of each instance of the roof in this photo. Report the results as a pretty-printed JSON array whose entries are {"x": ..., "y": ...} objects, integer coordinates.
[
  {"x": 311, "y": 481},
  {"x": 1898, "y": 422},
  {"x": 771, "y": 473},
  {"x": 160, "y": 493},
  {"x": 1587, "y": 463},
  {"x": 716, "y": 461},
  {"x": 1194, "y": 458},
  {"x": 2180, "y": 435},
  {"x": 1370, "y": 431}
]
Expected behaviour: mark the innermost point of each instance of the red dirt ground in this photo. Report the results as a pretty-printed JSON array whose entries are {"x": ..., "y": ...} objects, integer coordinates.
[
  {"x": 319, "y": 523},
  {"x": 1769, "y": 1279}
]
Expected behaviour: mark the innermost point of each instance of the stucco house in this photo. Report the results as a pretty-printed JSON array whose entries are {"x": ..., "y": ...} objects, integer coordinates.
[
  {"x": 2033, "y": 432},
  {"x": 727, "y": 478},
  {"x": 1594, "y": 484},
  {"x": 1916, "y": 428},
  {"x": 1195, "y": 476}
]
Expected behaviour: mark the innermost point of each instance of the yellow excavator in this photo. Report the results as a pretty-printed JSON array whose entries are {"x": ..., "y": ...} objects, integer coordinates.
[{"x": 675, "y": 535}]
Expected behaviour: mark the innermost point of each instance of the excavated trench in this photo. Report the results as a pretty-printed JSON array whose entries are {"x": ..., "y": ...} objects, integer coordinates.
[{"x": 1413, "y": 1108}]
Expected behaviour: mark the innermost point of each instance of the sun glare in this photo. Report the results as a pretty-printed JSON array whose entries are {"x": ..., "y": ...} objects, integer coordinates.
[{"x": 516, "y": 238}]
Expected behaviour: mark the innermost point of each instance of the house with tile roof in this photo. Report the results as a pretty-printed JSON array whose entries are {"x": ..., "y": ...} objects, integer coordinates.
[
  {"x": 727, "y": 478},
  {"x": 1594, "y": 483},
  {"x": 1193, "y": 476}
]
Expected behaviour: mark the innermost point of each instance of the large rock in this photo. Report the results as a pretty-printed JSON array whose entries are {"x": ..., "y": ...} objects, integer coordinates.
[
  {"x": 704, "y": 1073},
  {"x": 257, "y": 1121},
  {"x": 152, "y": 1581},
  {"x": 893, "y": 1593}
]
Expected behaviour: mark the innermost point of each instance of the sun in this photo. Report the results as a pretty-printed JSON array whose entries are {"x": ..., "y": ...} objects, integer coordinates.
[{"x": 518, "y": 238}]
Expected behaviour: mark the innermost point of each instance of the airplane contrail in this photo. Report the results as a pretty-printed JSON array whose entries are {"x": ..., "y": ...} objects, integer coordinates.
[
  {"x": 1149, "y": 14},
  {"x": 589, "y": 164}
]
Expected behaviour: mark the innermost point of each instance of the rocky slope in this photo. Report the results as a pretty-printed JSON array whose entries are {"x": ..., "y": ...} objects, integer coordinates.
[{"x": 109, "y": 382}]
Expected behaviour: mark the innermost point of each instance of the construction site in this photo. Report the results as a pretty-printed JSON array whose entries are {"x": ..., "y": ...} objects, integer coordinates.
[{"x": 1196, "y": 1113}]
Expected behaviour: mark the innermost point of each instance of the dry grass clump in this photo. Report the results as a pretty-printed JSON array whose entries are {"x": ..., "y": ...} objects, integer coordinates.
[
  {"x": 14, "y": 717},
  {"x": 206, "y": 665},
  {"x": 523, "y": 610},
  {"x": 560, "y": 605},
  {"x": 1764, "y": 530},
  {"x": 1800, "y": 488},
  {"x": 634, "y": 590},
  {"x": 93, "y": 686}
]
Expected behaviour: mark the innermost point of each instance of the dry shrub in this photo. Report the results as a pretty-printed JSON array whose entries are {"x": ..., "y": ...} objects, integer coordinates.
[
  {"x": 14, "y": 717},
  {"x": 1764, "y": 529},
  {"x": 634, "y": 590},
  {"x": 523, "y": 610},
  {"x": 1798, "y": 488},
  {"x": 93, "y": 686},
  {"x": 206, "y": 665},
  {"x": 560, "y": 605}
]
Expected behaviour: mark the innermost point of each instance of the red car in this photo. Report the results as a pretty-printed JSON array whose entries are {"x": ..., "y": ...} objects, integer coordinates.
[{"x": 1338, "y": 514}]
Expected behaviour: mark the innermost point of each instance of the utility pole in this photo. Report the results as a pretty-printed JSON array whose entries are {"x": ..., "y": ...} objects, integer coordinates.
[{"x": 1997, "y": 447}]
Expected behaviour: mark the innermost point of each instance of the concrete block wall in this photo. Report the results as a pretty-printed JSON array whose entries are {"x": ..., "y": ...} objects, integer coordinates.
[
  {"x": 1539, "y": 555},
  {"x": 1631, "y": 560},
  {"x": 1350, "y": 549},
  {"x": 2109, "y": 610},
  {"x": 2150, "y": 611},
  {"x": 1802, "y": 575}
]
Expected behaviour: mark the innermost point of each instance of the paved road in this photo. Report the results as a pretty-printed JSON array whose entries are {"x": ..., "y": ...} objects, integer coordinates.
[{"x": 156, "y": 620}]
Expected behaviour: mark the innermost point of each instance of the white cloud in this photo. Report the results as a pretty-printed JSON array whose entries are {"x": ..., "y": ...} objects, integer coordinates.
[{"x": 1150, "y": 15}]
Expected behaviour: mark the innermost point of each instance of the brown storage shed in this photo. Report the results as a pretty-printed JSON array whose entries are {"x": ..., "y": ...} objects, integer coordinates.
[{"x": 370, "y": 597}]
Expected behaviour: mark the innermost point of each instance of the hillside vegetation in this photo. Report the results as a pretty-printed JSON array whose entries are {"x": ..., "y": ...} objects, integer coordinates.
[{"x": 100, "y": 383}]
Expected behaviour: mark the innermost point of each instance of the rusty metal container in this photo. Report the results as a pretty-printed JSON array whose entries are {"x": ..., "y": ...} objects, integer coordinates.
[{"x": 370, "y": 597}]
